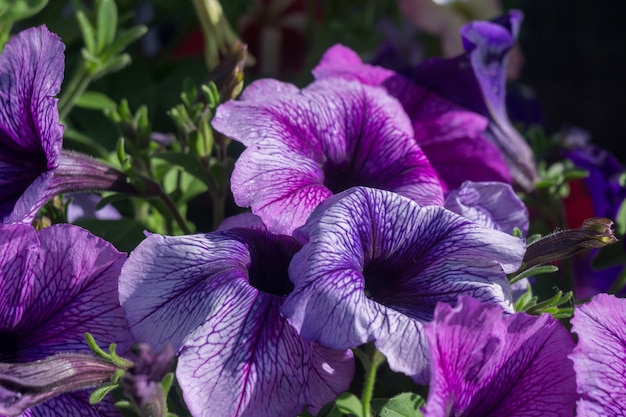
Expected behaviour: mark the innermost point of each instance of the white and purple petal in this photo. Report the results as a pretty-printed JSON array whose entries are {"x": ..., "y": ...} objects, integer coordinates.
[
  {"x": 374, "y": 264},
  {"x": 305, "y": 145},
  {"x": 31, "y": 72},
  {"x": 216, "y": 298},
  {"x": 492, "y": 204},
  {"x": 600, "y": 356},
  {"x": 484, "y": 363}
]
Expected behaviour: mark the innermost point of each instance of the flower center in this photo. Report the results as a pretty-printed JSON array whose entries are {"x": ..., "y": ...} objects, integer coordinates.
[{"x": 8, "y": 346}]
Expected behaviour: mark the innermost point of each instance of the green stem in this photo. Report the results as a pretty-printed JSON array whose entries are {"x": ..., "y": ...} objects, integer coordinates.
[
  {"x": 76, "y": 87},
  {"x": 165, "y": 198},
  {"x": 377, "y": 359}
]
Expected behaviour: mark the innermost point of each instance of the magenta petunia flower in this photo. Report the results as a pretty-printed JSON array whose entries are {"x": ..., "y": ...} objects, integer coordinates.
[
  {"x": 55, "y": 285},
  {"x": 305, "y": 145},
  {"x": 33, "y": 168},
  {"x": 600, "y": 356},
  {"x": 374, "y": 264},
  {"x": 216, "y": 299},
  {"x": 452, "y": 137},
  {"x": 484, "y": 363}
]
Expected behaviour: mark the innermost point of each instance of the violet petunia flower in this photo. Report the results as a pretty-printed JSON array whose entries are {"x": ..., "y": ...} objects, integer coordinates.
[
  {"x": 476, "y": 81},
  {"x": 55, "y": 285},
  {"x": 452, "y": 137},
  {"x": 305, "y": 145},
  {"x": 600, "y": 356},
  {"x": 487, "y": 364},
  {"x": 374, "y": 264},
  {"x": 33, "y": 168},
  {"x": 216, "y": 299}
]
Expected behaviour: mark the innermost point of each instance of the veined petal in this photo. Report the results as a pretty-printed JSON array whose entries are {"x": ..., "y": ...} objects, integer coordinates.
[
  {"x": 452, "y": 137},
  {"x": 31, "y": 71},
  {"x": 600, "y": 356},
  {"x": 476, "y": 81},
  {"x": 374, "y": 265},
  {"x": 484, "y": 363},
  {"x": 492, "y": 204},
  {"x": 215, "y": 297},
  {"x": 303, "y": 146},
  {"x": 55, "y": 285}
]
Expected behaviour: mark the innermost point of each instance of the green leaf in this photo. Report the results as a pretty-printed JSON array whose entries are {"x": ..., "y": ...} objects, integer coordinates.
[
  {"x": 101, "y": 392},
  {"x": 407, "y": 404},
  {"x": 14, "y": 10},
  {"x": 123, "y": 39},
  {"x": 88, "y": 31},
  {"x": 535, "y": 270},
  {"x": 188, "y": 163},
  {"x": 124, "y": 234},
  {"x": 107, "y": 24},
  {"x": 348, "y": 403},
  {"x": 95, "y": 100}
]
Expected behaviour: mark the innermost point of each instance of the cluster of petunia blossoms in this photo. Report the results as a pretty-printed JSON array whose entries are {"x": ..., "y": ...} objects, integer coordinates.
[{"x": 383, "y": 212}]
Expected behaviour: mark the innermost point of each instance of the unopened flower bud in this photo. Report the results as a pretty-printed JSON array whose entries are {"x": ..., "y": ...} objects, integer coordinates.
[
  {"x": 594, "y": 233},
  {"x": 25, "y": 385}
]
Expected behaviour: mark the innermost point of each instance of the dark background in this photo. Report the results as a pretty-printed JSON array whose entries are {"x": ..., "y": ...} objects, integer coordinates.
[{"x": 576, "y": 62}]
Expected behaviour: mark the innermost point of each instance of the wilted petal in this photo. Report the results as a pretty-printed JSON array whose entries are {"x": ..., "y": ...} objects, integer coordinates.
[
  {"x": 216, "y": 297},
  {"x": 304, "y": 146},
  {"x": 600, "y": 356},
  {"x": 75, "y": 173},
  {"x": 26, "y": 385},
  {"x": 375, "y": 264},
  {"x": 492, "y": 204},
  {"x": 31, "y": 72},
  {"x": 484, "y": 363}
]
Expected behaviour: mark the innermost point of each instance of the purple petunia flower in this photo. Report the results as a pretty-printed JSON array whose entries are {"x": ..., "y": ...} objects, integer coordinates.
[
  {"x": 452, "y": 137},
  {"x": 476, "y": 81},
  {"x": 55, "y": 285},
  {"x": 600, "y": 356},
  {"x": 305, "y": 145},
  {"x": 487, "y": 364},
  {"x": 33, "y": 168},
  {"x": 216, "y": 299},
  {"x": 374, "y": 264}
]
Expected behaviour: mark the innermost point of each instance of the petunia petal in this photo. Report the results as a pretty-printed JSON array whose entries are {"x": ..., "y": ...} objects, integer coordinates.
[
  {"x": 600, "y": 356},
  {"x": 31, "y": 71},
  {"x": 55, "y": 285},
  {"x": 484, "y": 363},
  {"x": 374, "y": 265},
  {"x": 492, "y": 204},
  {"x": 237, "y": 355},
  {"x": 451, "y": 137},
  {"x": 303, "y": 146},
  {"x": 476, "y": 81}
]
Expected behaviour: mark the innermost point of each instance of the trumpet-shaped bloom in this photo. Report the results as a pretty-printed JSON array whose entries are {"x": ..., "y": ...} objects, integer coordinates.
[
  {"x": 33, "y": 168},
  {"x": 55, "y": 285},
  {"x": 216, "y": 299},
  {"x": 452, "y": 137},
  {"x": 600, "y": 356},
  {"x": 476, "y": 81},
  {"x": 305, "y": 145},
  {"x": 374, "y": 264},
  {"x": 487, "y": 364}
]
